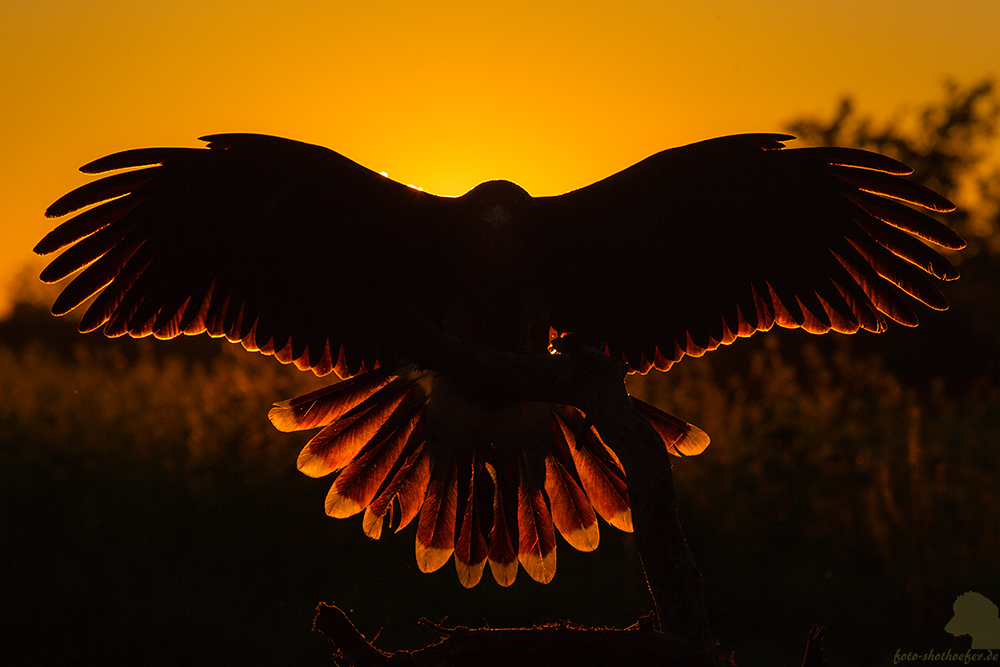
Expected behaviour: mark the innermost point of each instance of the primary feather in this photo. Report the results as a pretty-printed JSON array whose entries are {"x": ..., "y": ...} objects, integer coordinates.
[{"x": 291, "y": 250}]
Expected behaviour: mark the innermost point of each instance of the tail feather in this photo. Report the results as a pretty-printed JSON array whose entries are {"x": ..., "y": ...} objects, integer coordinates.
[
  {"x": 337, "y": 445},
  {"x": 681, "y": 438},
  {"x": 536, "y": 536},
  {"x": 325, "y": 406},
  {"x": 357, "y": 485},
  {"x": 413, "y": 490},
  {"x": 502, "y": 552},
  {"x": 436, "y": 527},
  {"x": 407, "y": 486},
  {"x": 572, "y": 513},
  {"x": 600, "y": 473},
  {"x": 470, "y": 544}
]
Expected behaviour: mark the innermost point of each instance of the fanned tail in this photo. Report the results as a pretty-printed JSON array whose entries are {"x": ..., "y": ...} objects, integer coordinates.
[{"x": 494, "y": 494}]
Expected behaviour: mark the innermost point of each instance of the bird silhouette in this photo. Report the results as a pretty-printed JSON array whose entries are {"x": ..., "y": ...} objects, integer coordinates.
[{"x": 294, "y": 250}]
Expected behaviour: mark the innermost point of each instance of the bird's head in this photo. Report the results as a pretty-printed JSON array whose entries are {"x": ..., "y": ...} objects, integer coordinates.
[{"x": 496, "y": 202}]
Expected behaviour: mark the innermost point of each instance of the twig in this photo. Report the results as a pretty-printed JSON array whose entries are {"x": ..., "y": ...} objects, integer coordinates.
[
  {"x": 333, "y": 622},
  {"x": 440, "y": 629}
]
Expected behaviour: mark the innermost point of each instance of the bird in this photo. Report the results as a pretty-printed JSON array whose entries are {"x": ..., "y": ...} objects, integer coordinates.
[{"x": 296, "y": 251}]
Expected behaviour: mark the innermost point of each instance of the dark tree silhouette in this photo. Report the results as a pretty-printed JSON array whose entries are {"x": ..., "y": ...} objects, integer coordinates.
[{"x": 442, "y": 311}]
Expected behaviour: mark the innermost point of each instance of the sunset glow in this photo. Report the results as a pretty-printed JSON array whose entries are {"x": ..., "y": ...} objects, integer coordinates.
[{"x": 444, "y": 95}]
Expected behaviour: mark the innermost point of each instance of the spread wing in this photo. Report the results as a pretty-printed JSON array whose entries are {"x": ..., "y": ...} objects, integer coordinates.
[
  {"x": 280, "y": 245},
  {"x": 697, "y": 245}
]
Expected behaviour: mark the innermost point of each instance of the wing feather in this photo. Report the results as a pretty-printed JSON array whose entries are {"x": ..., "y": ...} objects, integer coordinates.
[{"x": 95, "y": 192}]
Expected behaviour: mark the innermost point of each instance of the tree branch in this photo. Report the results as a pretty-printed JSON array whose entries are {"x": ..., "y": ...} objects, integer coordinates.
[
  {"x": 333, "y": 622},
  {"x": 553, "y": 644}
]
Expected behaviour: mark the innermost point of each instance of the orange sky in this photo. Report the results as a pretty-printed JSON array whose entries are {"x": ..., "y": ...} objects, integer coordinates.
[{"x": 447, "y": 94}]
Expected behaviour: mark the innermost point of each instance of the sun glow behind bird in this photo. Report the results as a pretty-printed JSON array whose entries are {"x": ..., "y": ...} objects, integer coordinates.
[{"x": 447, "y": 95}]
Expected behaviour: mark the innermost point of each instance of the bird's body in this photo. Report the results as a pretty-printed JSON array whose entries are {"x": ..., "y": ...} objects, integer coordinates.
[
  {"x": 296, "y": 251},
  {"x": 492, "y": 298}
]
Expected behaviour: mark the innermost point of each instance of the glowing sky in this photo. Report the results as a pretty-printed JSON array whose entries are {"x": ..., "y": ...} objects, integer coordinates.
[{"x": 447, "y": 94}]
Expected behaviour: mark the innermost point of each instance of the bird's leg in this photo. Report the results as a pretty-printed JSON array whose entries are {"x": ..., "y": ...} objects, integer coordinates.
[{"x": 673, "y": 577}]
